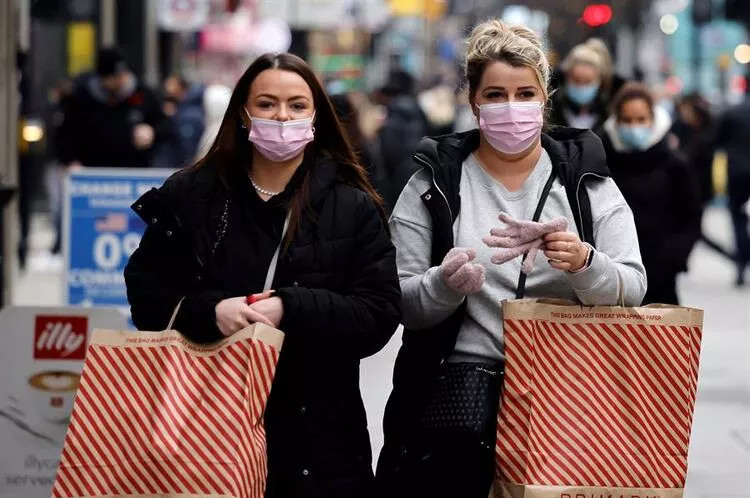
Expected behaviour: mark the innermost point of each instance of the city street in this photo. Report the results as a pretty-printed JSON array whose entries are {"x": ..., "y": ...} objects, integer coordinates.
[{"x": 720, "y": 446}]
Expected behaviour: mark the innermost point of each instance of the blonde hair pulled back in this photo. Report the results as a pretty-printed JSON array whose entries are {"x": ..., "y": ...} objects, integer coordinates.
[{"x": 517, "y": 45}]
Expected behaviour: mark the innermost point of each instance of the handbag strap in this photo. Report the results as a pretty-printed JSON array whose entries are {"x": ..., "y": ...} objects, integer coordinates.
[
  {"x": 174, "y": 314},
  {"x": 521, "y": 288},
  {"x": 275, "y": 259},
  {"x": 269, "y": 275}
]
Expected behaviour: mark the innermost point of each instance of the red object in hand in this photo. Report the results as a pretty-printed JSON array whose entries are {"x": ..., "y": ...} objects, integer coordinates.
[{"x": 254, "y": 298}]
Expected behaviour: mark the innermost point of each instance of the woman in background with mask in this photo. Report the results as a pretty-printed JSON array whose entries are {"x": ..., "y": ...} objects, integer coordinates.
[
  {"x": 451, "y": 289},
  {"x": 280, "y": 184},
  {"x": 583, "y": 99},
  {"x": 659, "y": 186}
]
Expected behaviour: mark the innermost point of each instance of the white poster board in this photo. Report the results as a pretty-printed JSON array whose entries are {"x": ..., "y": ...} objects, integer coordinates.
[{"x": 41, "y": 359}]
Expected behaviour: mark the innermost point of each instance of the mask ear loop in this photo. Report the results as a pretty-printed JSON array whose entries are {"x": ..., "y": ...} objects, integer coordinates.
[{"x": 244, "y": 125}]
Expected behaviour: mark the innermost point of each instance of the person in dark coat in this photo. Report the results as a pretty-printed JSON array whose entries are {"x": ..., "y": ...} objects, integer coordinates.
[
  {"x": 183, "y": 105},
  {"x": 695, "y": 129},
  {"x": 733, "y": 135},
  {"x": 582, "y": 99},
  {"x": 405, "y": 125},
  {"x": 111, "y": 120},
  {"x": 280, "y": 160},
  {"x": 658, "y": 184}
]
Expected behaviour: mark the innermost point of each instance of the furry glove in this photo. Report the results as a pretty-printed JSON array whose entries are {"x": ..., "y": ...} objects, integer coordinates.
[{"x": 521, "y": 237}]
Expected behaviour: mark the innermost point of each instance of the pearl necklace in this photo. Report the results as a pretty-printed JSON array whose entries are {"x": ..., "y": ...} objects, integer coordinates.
[{"x": 261, "y": 190}]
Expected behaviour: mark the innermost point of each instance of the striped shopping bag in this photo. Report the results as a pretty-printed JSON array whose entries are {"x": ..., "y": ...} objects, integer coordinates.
[
  {"x": 597, "y": 401},
  {"x": 157, "y": 415}
]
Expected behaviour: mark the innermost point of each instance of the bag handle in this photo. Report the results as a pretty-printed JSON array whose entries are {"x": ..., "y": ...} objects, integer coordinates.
[
  {"x": 174, "y": 314},
  {"x": 521, "y": 288}
]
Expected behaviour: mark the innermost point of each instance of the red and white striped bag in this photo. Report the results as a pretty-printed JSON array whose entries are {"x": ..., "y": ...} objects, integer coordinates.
[
  {"x": 157, "y": 415},
  {"x": 598, "y": 401}
]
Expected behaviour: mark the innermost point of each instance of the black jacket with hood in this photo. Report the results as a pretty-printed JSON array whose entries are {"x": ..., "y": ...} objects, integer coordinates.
[{"x": 578, "y": 158}]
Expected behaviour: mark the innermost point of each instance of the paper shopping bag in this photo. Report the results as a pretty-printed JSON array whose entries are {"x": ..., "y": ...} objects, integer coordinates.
[
  {"x": 157, "y": 415},
  {"x": 598, "y": 401}
]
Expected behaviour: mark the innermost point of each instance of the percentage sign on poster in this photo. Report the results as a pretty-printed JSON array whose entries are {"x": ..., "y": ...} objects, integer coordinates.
[{"x": 110, "y": 248}]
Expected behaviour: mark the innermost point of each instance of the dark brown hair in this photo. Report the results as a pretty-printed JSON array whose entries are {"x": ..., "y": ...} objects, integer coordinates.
[
  {"x": 632, "y": 91},
  {"x": 231, "y": 152}
]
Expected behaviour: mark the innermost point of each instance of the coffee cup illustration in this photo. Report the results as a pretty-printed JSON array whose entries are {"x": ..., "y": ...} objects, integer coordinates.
[{"x": 52, "y": 394}]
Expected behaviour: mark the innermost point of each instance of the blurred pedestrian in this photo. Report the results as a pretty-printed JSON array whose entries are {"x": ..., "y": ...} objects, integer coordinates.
[
  {"x": 441, "y": 418},
  {"x": 438, "y": 104},
  {"x": 695, "y": 130},
  {"x": 280, "y": 201},
  {"x": 366, "y": 152},
  {"x": 183, "y": 106},
  {"x": 583, "y": 99},
  {"x": 405, "y": 125},
  {"x": 215, "y": 102},
  {"x": 733, "y": 135},
  {"x": 111, "y": 120},
  {"x": 658, "y": 184},
  {"x": 58, "y": 96}
]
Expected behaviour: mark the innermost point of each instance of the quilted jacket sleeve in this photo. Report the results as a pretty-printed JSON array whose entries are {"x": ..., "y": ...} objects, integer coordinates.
[{"x": 360, "y": 321}]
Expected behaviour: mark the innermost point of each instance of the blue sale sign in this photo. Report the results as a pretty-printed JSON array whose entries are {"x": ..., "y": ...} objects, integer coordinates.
[{"x": 101, "y": 231}]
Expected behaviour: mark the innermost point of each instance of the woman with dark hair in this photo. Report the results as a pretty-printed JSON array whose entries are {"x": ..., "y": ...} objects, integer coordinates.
[
  {"x": 280, "y": 180},
  {"x": 659, "y": 186}
]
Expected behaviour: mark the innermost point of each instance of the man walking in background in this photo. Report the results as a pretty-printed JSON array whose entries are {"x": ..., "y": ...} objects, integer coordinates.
[{"x": 111, "y": 119}]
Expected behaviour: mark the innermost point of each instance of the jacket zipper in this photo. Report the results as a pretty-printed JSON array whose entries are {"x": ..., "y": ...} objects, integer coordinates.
[
  {"x": 434, "y": 183},
  {"x": 578, "y": 198}
]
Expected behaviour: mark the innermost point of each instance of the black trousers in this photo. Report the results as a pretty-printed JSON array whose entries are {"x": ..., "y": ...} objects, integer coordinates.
[
  {"x": 661, "y": 289},
  {"x": 451, "y": 471},
  {"x": 739, "y": 194}
]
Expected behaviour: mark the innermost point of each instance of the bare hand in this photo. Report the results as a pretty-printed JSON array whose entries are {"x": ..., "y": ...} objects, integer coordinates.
[
  {"x": 272, "y": 308},
  {"x": 233, "y": 315},
  {"x": 143, "y": 136},
  {"x": 565, "y": 251}
]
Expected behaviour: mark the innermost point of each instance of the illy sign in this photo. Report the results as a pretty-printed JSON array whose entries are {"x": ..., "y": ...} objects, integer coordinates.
[{"x": 60, "y": 337}]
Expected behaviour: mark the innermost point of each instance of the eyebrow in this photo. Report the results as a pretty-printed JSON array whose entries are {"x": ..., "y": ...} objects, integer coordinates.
[
  {"x": 503, "y": 88},
  {"x": 274, "y": 97}
]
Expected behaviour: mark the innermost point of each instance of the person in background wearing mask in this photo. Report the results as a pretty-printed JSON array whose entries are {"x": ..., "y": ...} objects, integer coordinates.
[
  {"x": 733, "y": 135},
  {"x": 282, "y": 184},
  {"x": 183, "y": 106},
  {"x": 451, "y": 289},
  {"x": 111, "y": 119},
  {"x": 659, "y": 186},
  {"x": 582, "y": 100}
]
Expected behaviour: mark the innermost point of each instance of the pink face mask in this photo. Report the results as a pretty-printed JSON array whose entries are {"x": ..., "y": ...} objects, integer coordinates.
[
  {"x": 280, "y": 141},
  {"x": 511, "y": 127}
]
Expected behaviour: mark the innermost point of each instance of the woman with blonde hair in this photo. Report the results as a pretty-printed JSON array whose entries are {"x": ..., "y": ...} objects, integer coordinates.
[
  {"x": 439, "y": 424},
  {"x": 583, "y": 99}
]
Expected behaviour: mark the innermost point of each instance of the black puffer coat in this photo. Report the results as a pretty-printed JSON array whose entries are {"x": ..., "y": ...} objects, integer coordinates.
[
  {"x": 341, "y": 299},
  {"x": 662, "y": 191}
]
